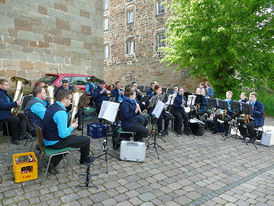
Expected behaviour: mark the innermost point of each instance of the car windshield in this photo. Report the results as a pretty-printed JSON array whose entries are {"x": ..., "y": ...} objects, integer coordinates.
[{"x": 48, "y": 79}]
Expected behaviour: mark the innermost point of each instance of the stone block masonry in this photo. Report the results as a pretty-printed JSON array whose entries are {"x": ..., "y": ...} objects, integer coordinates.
[{"x": 51, "y": 36}]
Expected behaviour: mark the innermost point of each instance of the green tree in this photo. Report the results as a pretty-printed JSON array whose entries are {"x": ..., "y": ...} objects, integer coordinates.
[{"x": 229, "y": 42}]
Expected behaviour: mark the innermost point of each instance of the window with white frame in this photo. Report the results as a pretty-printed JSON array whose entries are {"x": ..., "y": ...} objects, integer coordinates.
[
  {"x": 106, "y": 4},
  {"x": 105, "y": 24},
  {"x": 159, "y": 37},
  {"x": 106, "y": 52},
  {"x": 130, "y": 17},
  {"x": 160, "y": 8},
  {"x": 130, "y": 46}
]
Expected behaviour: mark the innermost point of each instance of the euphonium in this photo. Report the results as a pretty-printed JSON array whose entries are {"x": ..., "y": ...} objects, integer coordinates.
[
  {"x": 76, "y": 94},
  {"x": 20, "y": 82},
  {"x": 50, "y": 93}
]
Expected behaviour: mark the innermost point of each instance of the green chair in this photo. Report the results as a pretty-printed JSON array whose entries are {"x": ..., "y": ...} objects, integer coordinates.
[
  {"x": 121, "y": 131},
  {"x": 50, "y": 152}
]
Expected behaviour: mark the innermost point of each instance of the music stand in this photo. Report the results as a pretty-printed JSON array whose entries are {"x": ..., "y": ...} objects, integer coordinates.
[
  {"x": 223, "y": 105},
  {"x": 236, "y": 107},
  {"x": 212, "y": 102},
  {"x": 107, "y": 112},
  {"x": 155, "y": 115},
  {"x": 247, "y": 109}
]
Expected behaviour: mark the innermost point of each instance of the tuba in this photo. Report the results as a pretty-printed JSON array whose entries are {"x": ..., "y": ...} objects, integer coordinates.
[
  {"x": 76, "y": 94},
  {"x": 18, "y": 95},
  {"x": 50, "y": 93}
]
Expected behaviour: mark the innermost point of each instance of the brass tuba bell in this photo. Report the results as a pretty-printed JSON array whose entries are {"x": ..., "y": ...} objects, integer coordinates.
[
  {"x": 50, "y": 93},
  {"x": 76, "y": 94},
  {"x": 18, "y": 95}
]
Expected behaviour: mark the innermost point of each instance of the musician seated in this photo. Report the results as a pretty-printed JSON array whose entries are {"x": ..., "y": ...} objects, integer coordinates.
[
  {"x": 151, "y": 89},
  {"x": 155, "y": 98},
  {"x": 100, "y": 94},
  {"x": 243, "y": 98},
  {"x": 200, "y": 107},
  {"x": 209, "y": 90},
  {"x": 117, "y": 92},
  {"x": 139, "y": 96},
  {"x": 64, "y": 85},
  {"x": 226, "y": 116},
  {"x": 16, "y": 124},
  {"x": 175, "y": 90},
  {"x": 180, "y": 114},
  {"x": 57, "y": 134},
  {"x": 35, "y": 108},
  {"x": 256, "y": 120},
  {"x": 129, "y": 118}
]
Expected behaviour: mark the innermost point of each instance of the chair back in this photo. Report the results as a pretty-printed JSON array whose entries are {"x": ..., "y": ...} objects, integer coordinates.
[
  {"x": 39, "y": 136},
  {"x": 28, "y": 123}
]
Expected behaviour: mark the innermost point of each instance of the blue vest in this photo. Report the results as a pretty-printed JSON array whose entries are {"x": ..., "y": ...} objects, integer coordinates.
[
  {"x": 33, "y": 118},
  {"x": 49, "y": 127}
]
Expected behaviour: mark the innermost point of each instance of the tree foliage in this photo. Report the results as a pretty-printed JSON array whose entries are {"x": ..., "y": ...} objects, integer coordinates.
[{"x": 229, "y": 42}]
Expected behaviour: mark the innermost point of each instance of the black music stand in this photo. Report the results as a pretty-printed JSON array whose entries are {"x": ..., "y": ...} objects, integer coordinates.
[
  {"x": 105, "y": 142},
  {"x": 236, "y": 107},
  {"x": 247, "y": 109},
  {"x": 212, "y": 102},
  {"x": 154, "y": 131},
  {"x": 222, "y": 104}
]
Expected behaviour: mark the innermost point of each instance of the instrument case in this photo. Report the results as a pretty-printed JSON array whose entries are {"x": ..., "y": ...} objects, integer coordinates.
[
  {"x": 268, "y": 138},
  {"x": 133, "y": 151}
]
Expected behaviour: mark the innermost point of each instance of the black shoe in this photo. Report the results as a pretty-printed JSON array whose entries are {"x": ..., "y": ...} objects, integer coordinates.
[
  {"x": 251, "y": 141},
  {"x": 187, "y": 132},
  {"x": 53, "y": 171},
  {"x": 89, "y": 160},
  {"x": 214, "y": 132},
  {"x": 165, "y": 133},
  {"x": 178, "y": 132},
  {"x": 14, "y": 141}
]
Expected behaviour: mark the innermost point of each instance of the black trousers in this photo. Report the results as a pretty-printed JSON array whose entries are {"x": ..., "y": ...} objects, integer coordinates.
[
  {"x": 139, "y": 128},
  {"x": 179, "y": 117},
  {"x": 142, "y": 119},
  {"x": 164, "y": 116},
  {"x": 250, "y": 129},
  {"x": 73, "y": 141},
  {"x": 17, "y": 125},
  {"x": 227, "y": 119}
]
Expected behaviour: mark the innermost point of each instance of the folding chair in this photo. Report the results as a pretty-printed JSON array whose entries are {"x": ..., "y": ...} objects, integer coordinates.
[
  {"x": 33, "y": 138},
  {"x": 50, "y": 152}
]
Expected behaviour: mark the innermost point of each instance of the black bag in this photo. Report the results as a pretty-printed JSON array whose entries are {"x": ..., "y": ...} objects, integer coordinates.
[{"x": 197, "y": 129}]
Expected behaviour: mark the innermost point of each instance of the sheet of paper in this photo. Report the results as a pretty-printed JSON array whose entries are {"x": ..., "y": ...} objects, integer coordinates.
[
  {"x": 110, "y": 112},
  {"x": 103, "y": 108},
  {"x": 191, "y": 100},
  {"x": 158, "y": 109}
]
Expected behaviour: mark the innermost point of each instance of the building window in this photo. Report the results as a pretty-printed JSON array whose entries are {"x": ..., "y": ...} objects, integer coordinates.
[
  {"x": 106, "y": 52},
  {"x": 160, "y": 8},
  {"x": 105, "y": 24},
  {"x": 159, "y": 42},
  {"x": 106, "y": 5},
  {"x": 130, "y": 46},
  {"x": 128, "y": 0},
  {"x": 130, "y": 17}
]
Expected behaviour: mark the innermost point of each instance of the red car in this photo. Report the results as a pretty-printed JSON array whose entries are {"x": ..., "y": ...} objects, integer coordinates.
[{"x": 80, "y": 80}]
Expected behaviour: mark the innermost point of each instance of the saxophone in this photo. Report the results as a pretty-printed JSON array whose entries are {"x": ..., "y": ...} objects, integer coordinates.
[{"x": 224, "y": 114}]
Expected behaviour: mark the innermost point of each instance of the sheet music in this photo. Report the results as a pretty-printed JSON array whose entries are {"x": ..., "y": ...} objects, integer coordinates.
[
  {"x": 191, "y": 100},
  {"x": 158, "y": 109},
  {"x": 103, "y": 108},
  {"x": 109, "y": 111}
]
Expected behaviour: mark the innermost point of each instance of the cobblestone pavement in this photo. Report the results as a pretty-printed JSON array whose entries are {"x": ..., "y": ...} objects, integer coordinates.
[{"x": 204, "y": 171}]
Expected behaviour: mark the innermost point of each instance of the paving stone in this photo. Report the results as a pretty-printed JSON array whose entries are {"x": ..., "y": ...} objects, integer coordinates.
[{"x": 69, "y": 198}]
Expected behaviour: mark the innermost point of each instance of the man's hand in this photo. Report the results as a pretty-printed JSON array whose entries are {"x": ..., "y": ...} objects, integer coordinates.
[
  {"x": 75, "y": 124},
  {"x": 18, "y": 103}
]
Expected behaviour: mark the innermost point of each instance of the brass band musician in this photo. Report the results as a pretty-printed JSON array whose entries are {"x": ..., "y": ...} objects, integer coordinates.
[{"x": 256, "y": 120}]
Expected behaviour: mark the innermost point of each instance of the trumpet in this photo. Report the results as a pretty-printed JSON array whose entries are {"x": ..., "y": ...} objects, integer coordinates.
[
  {"x": 20, "y": 82},
  {"x": 50, "y": 93},
  {"x": 76, "y": 94}
]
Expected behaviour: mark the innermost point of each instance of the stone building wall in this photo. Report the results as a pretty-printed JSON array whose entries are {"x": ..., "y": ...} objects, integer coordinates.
[
  {"x": 143, "y": 66},
  {"x": 51, "y": 36}
]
